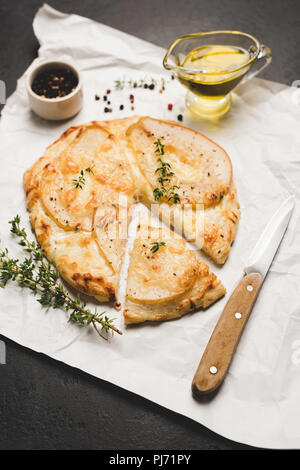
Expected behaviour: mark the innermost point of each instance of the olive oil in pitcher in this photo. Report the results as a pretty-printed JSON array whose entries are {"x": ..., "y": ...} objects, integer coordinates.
[
  {"x": 211, "y": 64},
  {"x": 218, "y": 69}
]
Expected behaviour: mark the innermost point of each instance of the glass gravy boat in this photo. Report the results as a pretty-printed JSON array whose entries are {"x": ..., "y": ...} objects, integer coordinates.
[{"x": 210, "y": 65}]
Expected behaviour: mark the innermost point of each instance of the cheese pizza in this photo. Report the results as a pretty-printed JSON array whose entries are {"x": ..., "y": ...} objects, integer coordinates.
[{"x": 81, "y": 194}]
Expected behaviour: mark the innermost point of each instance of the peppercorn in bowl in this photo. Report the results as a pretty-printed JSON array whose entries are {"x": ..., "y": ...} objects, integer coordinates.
[{"x": 55, "y": 89}]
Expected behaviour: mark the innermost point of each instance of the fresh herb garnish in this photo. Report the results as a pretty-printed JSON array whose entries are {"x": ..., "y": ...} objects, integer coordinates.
[
  {"x": 158, "y": 193},
  {"x": 160, "y": 148},
  {"x": 156, "y": 245},
  {"x": 164, "y": 178},
  {"x": 80, "y": 181},
  {"x": 172, "y": 195},
  {"x": 42, "y": 278},
  {"x": 89, "y": 169}
]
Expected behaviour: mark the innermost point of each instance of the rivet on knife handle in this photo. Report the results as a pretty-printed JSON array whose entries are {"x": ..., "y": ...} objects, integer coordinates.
[{"x": 225, "y": 337}]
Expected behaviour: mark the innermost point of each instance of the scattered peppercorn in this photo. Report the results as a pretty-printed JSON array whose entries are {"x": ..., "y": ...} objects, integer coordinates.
[
  {"x": 97, "y": 97},
  {"x": 132, "y": 108},
  {"x": 180, "y": 117},
  {"x": 152, "y": 86},
  {"x": 107, "y": 110},
  {"x": 121, "y": 107},
  {"x": 104, "y": 98},
  {"x": 145, "y": 85},
  {"x": 170, "y": 107},
  {"x": 108, "y": 102},
  {"x": 55, "y": 83},
  {"x": 107, "y": 92}
]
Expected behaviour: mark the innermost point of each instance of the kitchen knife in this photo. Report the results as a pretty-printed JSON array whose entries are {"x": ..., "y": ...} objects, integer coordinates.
[{"x": 220, "y": 349}]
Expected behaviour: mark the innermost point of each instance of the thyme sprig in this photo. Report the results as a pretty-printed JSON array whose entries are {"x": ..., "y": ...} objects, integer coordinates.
[
  {"x": 160, "y": 148},
  {"x": 80, "y": 181},
  {"x": 155, "y": 246},
  {"x": 165, "y": 176},
  {"x": 42, "y": 278}
]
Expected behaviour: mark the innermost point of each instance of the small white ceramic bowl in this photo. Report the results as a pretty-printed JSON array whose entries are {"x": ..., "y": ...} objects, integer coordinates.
[{"x": 55, "y": 109}]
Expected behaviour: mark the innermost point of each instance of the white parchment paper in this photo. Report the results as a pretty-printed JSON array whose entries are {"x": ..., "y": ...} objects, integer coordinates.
[{"x": 259, "y": 402}]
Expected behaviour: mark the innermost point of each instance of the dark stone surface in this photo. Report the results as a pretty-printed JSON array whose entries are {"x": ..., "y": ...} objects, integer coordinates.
[{"x": 45, "y": 404}]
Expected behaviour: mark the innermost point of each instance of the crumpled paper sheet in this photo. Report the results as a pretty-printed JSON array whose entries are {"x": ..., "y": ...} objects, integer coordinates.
[{"x": 259, "y": 402}]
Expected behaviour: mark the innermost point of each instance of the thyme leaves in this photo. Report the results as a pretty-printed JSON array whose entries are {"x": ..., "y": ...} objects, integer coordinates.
[
  {"x": 164, "y": 188},
  {"x": 156, "y": 245},
  {"x": 80, "y": 181},
  {"x": 36, "y": 273}
]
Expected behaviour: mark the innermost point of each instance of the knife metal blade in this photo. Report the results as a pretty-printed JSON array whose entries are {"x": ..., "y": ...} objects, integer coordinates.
[
  {"x": 220, "y": 349},
  {"x": 267, "y": 245}
]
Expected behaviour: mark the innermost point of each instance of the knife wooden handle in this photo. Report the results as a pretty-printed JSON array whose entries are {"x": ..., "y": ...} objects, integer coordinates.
[{"x": 222, "y": 344}]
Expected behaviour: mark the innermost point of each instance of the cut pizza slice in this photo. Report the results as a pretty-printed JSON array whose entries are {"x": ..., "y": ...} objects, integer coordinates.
[
  {"x": 165, "y": 278},
  {"x": 110, "y": 227},
  {"x": 199, "y": 167},
  {"x": 212, "y": 229},
  {"x": 76, "y": 255},
  {"x": 80, "y": 195},
  {"x": 169, "y": 155},
  {"x": 73, "y": 183}
]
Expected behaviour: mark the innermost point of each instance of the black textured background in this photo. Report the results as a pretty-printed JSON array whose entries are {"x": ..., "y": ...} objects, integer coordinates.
[{"x": 45, "y": 404}]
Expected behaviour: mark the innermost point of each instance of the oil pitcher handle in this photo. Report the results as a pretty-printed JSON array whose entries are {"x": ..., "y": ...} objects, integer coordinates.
[{"x": 263, "y": 59}]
